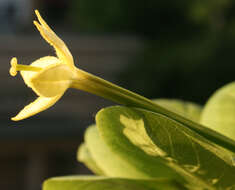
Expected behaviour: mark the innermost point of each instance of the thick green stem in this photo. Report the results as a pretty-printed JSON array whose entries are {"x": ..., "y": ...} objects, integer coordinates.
[{"x": 110, "y": 91}]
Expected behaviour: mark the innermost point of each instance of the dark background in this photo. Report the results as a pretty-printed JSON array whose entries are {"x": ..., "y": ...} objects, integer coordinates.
[{"x": 158, "y": 48}]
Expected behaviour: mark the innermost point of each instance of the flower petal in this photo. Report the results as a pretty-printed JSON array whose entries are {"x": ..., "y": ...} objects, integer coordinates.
[
  {"x": 49, "y": 35},
  {"x": 40, "y": 104},
  {"x": 42, "y": 63},
  {"x": 52, "y": 80}
]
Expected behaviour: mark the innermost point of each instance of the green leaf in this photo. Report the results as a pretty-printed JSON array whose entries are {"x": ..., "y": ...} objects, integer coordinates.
[
  {"x": 107, "y": 183},
  {"x": 142, "y": 161},
  {"x": 202, "y": 164},
  {"x": 110, "y": 163},
  {"x": 84, "y": 156},
  {"x": 189, "y": 110},
  {"x": 99, "y": 153},
  {"x": 219, "y": 111}
]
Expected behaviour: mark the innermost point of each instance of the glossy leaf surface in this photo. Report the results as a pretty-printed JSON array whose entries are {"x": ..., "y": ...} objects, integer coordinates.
[{"x": 133, "y": 133}]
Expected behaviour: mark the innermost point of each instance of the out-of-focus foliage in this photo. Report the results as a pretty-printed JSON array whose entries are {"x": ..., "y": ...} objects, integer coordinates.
[
  {"x": 185, "y": 41},
  {"x": 218, "y": 113},
  {"x": 149, "y": 18}
]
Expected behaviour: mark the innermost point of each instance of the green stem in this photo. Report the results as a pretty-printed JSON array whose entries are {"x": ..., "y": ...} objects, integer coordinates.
[{"x": 110, "y": 91}]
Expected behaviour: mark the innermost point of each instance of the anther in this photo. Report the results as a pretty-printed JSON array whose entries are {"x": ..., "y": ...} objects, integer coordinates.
[{"x": 13, "y": 70}]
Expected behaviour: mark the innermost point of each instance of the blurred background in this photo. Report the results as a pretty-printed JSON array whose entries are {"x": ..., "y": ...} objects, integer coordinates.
[{"x": 159, "y": 48}]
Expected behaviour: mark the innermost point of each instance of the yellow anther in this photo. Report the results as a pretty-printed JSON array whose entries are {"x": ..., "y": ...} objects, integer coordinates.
[
  {"x": 18, "y": 67},
  {"x": 13, "y": 70}
]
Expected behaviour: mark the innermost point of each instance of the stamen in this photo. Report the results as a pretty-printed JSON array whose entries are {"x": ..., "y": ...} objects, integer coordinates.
[{"x": 18, "y": 67}]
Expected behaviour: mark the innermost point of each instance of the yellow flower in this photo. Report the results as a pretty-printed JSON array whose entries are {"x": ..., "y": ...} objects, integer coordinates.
[{"x": 49, "y": 76}]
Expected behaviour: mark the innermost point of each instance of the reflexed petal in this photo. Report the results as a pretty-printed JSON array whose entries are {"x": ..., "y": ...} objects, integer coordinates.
[
  {"x": 60, "y": 47},
  {"x": 42, "y": 62},
  {"x": 52, "y": 80},
  {"x": 40, "y": 104}
]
